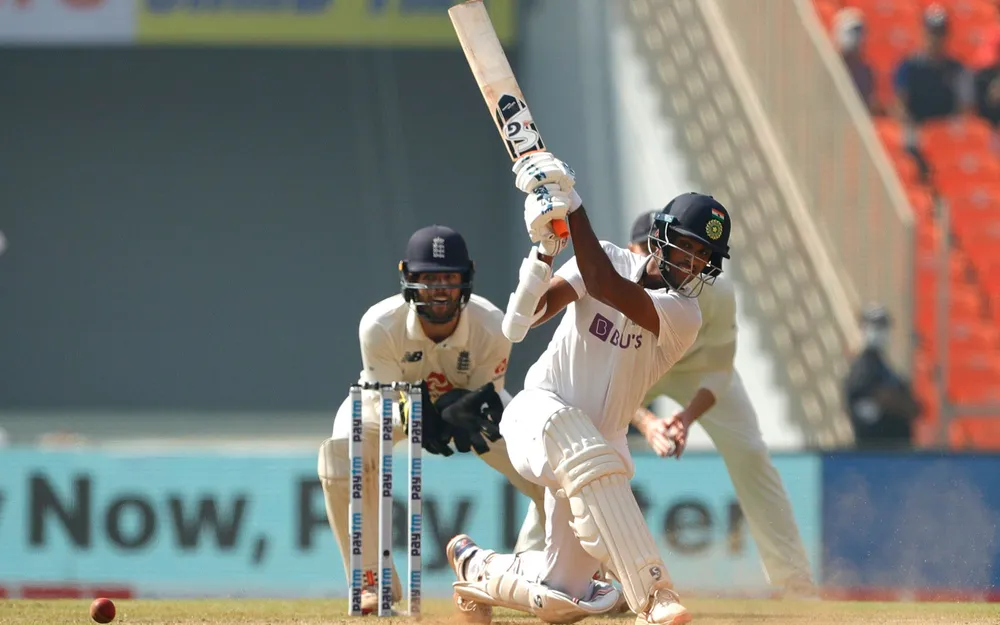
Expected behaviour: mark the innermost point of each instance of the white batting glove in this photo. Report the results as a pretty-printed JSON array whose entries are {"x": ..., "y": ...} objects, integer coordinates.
[
  {"x": 544, "y": 205},
  {"x": 542, "y": 168}
]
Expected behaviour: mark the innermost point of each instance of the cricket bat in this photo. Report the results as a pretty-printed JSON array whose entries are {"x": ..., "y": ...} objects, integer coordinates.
[{"x": 498, "y": 84}]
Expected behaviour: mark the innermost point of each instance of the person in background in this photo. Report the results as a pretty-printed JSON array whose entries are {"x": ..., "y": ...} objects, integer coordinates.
[
  {"x": 880, "y": 403},
  {"x": 930, "y": 84},
  {"x": 849, "y": 35},
  {"x": 987, "y": 90}
]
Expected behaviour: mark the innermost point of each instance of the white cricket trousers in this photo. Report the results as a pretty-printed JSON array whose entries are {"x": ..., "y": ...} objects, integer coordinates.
[
  {"x": 562, "y": 564},
  {"x": 733, "y": 427}
]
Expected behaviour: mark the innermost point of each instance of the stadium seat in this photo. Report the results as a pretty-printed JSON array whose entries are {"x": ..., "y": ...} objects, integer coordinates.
[
  {"x": 975, "y": 433},
  {"x": 961, "y": 134}
]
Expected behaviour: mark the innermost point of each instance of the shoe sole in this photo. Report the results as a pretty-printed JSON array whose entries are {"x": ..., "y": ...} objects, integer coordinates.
[{"x": 680, "y": 619}]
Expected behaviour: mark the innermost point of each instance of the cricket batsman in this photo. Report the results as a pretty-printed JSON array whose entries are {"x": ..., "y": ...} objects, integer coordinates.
[{"x": 629, "y": 318}]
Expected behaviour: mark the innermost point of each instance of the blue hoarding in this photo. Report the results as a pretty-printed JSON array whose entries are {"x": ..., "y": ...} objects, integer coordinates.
[
  {"x": 914, "y": 521},
  {"x": 232, "y": 524}
]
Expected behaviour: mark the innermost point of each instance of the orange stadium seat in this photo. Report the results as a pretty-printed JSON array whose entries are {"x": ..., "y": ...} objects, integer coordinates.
[
  {"x": 922, "y": 205},
  {"x": 974, "y": 382},
  {"x": 969, "y": 19},
  {"x": 961, "y": 134},
  {"x": 952, "y": 173},
  {"x": 975, "y": 433},
  {"x": 906, "y": 167},
  {"x": 977, "y": 200},
  {"x": 890, "y": 132},
  {"x": 826, "y": 12}
]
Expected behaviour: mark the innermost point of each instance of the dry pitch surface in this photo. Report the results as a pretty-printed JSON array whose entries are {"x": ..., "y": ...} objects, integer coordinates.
[{"x": 313, "y": 612}]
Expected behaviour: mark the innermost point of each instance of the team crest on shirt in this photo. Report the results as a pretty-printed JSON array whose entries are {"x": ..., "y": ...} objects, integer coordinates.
[
  {"x": 437, "y": 385},
  {"x": 501, "y": 368},
  {"x": 604, "y": 329},
  {"x": 463, "y": 362}
]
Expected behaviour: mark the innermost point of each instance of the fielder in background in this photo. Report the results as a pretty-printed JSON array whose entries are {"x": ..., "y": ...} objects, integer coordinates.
[
  {"x": 438, "y": 332},
  {"x": 629, "y": 318},
  {"x": 705, "y": 382}
]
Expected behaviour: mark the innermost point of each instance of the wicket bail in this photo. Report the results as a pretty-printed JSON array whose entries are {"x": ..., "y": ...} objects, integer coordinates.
[{"x": 389, "y": 393}]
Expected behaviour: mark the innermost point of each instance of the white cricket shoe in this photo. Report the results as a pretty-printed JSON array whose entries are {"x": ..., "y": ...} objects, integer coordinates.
[
  {"x": 460, "y": 550},
  {"x": 664, "y": 609}
]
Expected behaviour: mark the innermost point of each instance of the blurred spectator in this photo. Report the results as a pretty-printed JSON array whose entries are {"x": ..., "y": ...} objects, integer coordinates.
[
  {"x": 930, "y": 84},
  {"x": 881, "y": 406},
  {"x": 987, "y": 89},
  {"x": 849, "y": 35}
]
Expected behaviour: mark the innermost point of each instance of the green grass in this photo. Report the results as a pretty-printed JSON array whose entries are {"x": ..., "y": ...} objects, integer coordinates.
[{"x": 330, "y": 612}]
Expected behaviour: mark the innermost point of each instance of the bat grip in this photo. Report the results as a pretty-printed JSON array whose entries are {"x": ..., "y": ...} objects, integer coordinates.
[{"x": 560, "y": 228}]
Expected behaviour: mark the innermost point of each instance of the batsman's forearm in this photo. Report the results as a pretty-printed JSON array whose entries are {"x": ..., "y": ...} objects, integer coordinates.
[{"x": 593, "y": 263}]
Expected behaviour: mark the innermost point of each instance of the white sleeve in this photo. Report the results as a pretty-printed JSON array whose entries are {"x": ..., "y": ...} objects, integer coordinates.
[
  {"x": 379, "y": 360},
  {"x": 716, "y": 348},
  {"x": 718, "y": 309},
  {"x": 570, "y": 272},
  {"x": 680, "y": 320}
]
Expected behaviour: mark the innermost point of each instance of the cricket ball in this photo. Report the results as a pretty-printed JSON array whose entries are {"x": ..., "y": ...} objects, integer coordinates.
[{"x": 102, "y": 610}]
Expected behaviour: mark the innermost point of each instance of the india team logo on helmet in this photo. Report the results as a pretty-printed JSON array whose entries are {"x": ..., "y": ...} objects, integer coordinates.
[{"x": 714, "y": 229}]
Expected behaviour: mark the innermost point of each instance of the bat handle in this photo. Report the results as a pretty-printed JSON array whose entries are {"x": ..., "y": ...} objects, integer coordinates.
[{"x": 561, "y": 229}]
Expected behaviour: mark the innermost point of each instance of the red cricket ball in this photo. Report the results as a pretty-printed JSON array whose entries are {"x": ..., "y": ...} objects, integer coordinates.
[{"x": 102, "y": 610}]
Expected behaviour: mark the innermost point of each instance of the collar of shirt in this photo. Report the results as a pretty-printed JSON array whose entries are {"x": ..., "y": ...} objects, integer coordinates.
[{"x": 458, "y": 338}]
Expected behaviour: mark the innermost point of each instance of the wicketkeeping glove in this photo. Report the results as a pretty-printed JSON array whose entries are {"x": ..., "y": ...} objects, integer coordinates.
[
  {"x": 436, "y": 433},
  {"x": 474, "y": 417}
]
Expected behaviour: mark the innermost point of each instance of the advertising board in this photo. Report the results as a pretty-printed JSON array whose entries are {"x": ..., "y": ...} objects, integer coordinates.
[{"x": 254, "y": 525}]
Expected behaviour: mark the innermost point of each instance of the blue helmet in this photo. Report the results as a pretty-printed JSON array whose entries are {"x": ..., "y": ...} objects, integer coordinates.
[{"x": 435, "y": 249}]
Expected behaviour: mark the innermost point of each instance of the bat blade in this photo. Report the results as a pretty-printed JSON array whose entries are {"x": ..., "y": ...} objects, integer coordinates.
[{"x": 497, "y": 83}]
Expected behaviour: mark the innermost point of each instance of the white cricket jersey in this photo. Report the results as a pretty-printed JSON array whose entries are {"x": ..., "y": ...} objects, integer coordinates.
[
  {"x": 394, "y": 347},
  {"x": 709, "y": 362},
  {"x": 600, "y": 361}
]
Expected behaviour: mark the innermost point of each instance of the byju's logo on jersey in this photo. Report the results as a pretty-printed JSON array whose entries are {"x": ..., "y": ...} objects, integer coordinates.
[{"x": 604, "y": 329}]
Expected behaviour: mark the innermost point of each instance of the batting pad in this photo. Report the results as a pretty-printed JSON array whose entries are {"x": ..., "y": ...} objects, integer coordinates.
[
  {"x": 607, "y": 519},
  {"x": 510, "y": 590},
  {"x": 334, "y": 471}
]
